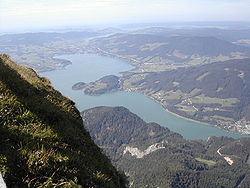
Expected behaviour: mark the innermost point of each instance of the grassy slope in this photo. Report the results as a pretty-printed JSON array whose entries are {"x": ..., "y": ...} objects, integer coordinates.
[{"x": 43, "y": 142}]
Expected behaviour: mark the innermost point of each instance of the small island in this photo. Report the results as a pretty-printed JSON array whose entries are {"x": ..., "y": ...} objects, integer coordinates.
[{"x": 79, "y": 86}]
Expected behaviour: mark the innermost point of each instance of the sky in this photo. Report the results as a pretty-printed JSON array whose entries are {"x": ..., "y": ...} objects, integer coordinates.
[{"x": 17, "y": 14}]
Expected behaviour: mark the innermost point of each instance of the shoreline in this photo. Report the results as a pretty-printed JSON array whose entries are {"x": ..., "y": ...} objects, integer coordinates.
[
  {"x": 177, "y": 115},
  {"x": 239, "y": 135},
  {"x": 188, "y": 119},
  {"x": 165, "y": 109}
]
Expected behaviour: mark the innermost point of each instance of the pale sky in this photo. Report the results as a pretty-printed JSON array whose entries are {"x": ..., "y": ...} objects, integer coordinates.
[{"x": 15, "y": 14}]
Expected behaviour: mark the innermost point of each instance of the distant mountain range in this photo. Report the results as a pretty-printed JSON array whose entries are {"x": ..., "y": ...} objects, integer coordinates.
[
  {"x": 153, "y": 156},
  {"x": 155, "y": 49},
  {"x": 149, "y": 49},
  {"x": 163, "y": 46},
  {"x": 43, "y": 37},
  {"x": 231, "y": 35}
]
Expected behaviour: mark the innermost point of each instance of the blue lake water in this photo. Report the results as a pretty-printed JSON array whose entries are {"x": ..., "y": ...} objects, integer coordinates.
[{"x": 90, "y": 67}]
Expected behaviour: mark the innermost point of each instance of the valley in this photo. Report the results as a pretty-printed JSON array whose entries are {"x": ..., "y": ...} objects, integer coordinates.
[
  {"x": 140, "y": 104},
  {"x": 160, "y": 58},
  {"x": 125, "y": 94},
  {"x": 193, "y": 90},
  {"x": 168, "y": 111}
]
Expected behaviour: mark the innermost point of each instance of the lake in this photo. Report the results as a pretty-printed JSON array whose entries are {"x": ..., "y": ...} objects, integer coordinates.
[{"x": 90, "y": 67}]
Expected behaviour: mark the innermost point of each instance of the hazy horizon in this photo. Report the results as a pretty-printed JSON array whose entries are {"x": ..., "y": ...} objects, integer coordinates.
[{"x": 29, "y": 14}]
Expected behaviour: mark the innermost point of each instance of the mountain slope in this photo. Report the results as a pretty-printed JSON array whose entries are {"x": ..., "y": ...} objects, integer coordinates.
[
  {"x": 111, "y": 127},
  {"x": 153, "y": 156},
  {"x": 217, "y": 93},
  {"x": 43, "y": 142},
  {"x": 150, "y": 50},
  {"x": 148, "y": 45}
]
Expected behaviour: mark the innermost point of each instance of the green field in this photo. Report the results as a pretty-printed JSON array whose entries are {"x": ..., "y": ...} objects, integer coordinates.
[{"x": 208, "y": 162}]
